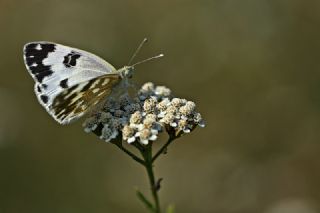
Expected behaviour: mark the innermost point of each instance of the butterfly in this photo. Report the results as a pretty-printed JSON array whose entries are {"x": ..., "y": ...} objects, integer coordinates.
[{"x": 69, "y": 81}]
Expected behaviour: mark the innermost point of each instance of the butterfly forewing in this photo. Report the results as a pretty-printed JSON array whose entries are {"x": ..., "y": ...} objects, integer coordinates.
[
  {"x": 59, "y": 70},
  {"x": 43, "y": 59}
]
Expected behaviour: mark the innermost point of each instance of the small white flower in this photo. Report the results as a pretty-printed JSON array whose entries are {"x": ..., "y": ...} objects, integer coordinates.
[
  {"x": 161, "y": 114},
  {"x": 173, "y": 124},
  {"x": 90, "y": 124},
  {"x": 108, "y": 134},
  {"x": 131, "y": 139},
  {"x": 162, "y": 91},
  {"x": 153, "y": 137},
  {"x": 202, "y": 123}
]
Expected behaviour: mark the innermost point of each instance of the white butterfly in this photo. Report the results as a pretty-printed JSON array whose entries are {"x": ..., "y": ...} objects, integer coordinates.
[{"x": 70, "y": 81}]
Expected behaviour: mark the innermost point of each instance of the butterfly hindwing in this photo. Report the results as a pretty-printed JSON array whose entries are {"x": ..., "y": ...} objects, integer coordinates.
[
  {"x": 78, "y": 99},
  {"x": 58, "y": 69}
]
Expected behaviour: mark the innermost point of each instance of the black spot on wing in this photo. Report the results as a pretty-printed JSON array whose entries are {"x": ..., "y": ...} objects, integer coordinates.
[
  {"x": 73, "y": 60},
  {"x": 35, "y": 53},
  {"x": 38, "y": 54},
  {"x": 38, "y": 89},
  {"x": 44, "y": 98},
  {"x": 64, "y": 83},
  {"x": 70, "y": 60},
  {"x": 43, "y": 73}
]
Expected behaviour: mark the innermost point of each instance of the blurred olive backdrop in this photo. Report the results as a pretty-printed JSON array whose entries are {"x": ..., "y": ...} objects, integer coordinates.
[{"x": 252, "y": 67}]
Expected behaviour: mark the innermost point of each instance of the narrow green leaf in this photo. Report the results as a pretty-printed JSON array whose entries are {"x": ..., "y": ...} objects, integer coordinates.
[
  {"x": 170, "y": 209},
  {"x": 144, "y": 200}
]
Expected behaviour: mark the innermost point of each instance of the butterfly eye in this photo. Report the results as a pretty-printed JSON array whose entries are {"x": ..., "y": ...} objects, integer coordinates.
[
  {"x": 129, "y": 75},
  {"x": 128, "y": 72}
]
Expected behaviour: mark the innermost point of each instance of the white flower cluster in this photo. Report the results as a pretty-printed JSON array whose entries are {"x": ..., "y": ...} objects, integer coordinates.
[{"x": 142, "y": 117}]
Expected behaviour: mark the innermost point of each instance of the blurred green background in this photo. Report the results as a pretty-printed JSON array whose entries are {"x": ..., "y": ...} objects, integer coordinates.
[{"x": 252, "y": 67}]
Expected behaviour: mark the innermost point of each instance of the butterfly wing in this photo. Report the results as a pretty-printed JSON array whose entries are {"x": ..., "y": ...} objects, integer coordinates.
[
  {"x": 75, "y": 101},
  {"x": 57, "y": 68}
]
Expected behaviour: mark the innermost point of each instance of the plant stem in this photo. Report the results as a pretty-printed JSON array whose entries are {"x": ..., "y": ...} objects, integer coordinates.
[
  {"x": 147, "y": 155},
  {"x": 133, "y": 156},
  {"x": 147, "y": 162},
  {"x": 162, "y": 150}
]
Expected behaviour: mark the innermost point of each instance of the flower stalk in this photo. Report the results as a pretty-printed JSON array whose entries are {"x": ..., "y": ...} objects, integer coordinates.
[
  {"x": 147, "y": 155},
  {"x": 163, "y": 149},
  {"x": 133, "y": 156}
]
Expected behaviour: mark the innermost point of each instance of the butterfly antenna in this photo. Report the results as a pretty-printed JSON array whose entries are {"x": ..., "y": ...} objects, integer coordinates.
[
  {"x": 148, "y": 59},
  {"x": 137, "y": 50}
]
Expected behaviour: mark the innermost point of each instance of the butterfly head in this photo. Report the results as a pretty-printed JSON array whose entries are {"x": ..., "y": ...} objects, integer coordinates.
[{"x": 127, "y": 72}]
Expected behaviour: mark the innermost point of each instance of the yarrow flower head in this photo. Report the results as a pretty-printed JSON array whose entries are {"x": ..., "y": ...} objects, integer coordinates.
[{"x": 141, "y": 117}]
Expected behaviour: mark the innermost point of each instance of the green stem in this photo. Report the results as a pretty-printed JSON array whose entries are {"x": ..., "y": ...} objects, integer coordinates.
[
  {"x": 133, "y": 156},
  {"x": 147, "y": 155},
  {"x": 162, "y": 150},
  {"x": 147, "y": 162}
]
